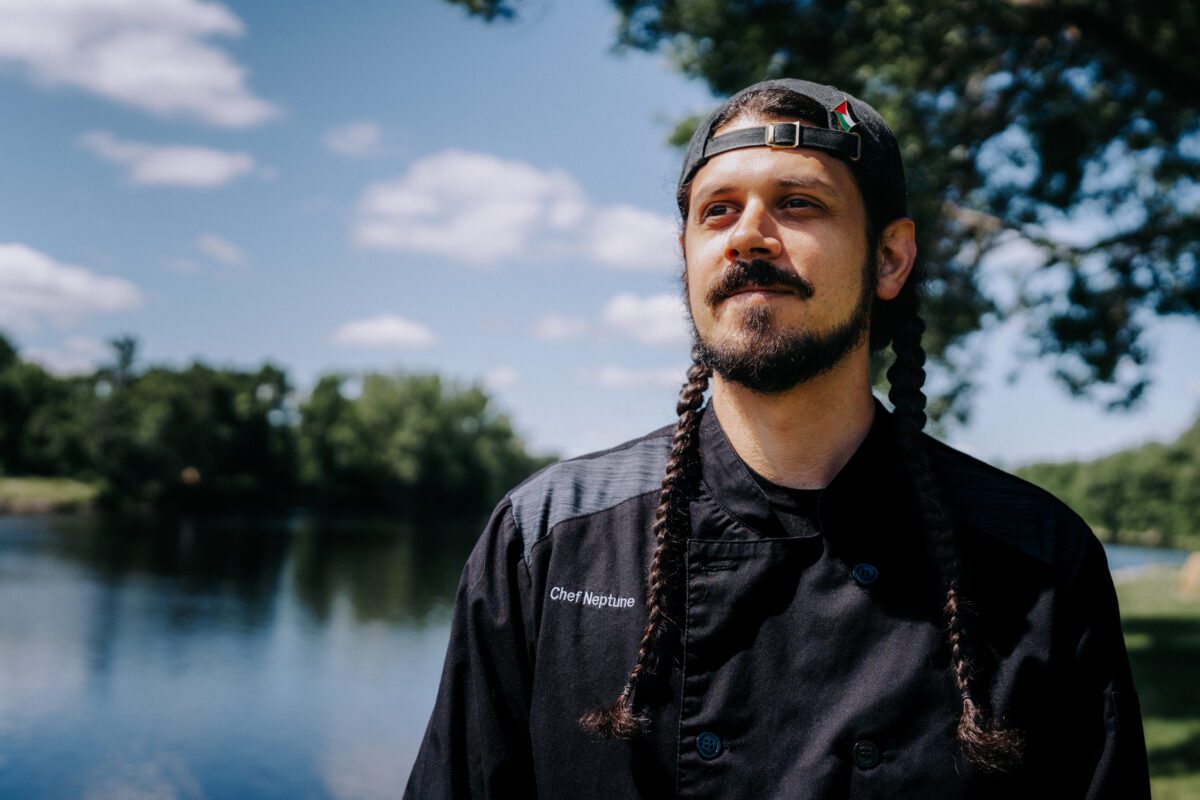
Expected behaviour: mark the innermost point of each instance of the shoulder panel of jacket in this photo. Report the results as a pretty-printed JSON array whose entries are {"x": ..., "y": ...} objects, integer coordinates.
[
  {"x": 1001, "y": 505},
  {"x": 588, "y": 484}
]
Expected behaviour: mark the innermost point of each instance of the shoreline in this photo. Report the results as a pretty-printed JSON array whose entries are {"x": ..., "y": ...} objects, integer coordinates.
[{"x": 40, "y": 495}]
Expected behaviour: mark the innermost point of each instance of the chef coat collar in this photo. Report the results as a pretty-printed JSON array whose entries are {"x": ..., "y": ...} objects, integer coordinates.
[{"x": 871, "y": 481}]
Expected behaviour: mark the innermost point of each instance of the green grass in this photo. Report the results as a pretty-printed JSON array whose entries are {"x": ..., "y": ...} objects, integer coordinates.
[
  {"x": 21, "y": 495},
  {"x": 1162, "y": 632}
]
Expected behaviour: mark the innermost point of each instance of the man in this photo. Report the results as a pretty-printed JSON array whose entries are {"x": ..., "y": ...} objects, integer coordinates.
[{"x": 792, "y": 592}]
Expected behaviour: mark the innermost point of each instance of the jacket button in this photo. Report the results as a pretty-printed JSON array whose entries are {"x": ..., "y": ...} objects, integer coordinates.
[
  {"x": 865, "y": 574},
  {"x": 708, "y": 745},
  {"x": 866, "y": 754}
]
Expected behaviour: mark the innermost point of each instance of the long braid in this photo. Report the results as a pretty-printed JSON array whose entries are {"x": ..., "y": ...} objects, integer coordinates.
[
  {"x": 671, "y": 529},
  {"x": 986, "y": 743}
]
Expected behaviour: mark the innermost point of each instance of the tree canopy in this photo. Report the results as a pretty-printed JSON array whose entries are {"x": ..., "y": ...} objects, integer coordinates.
[
  {"x": 1145, "y": 495},
  {"x": 405, "y": 440},
  {"x": 204, "y": 438},
  {"x": 1065, "y": 131}
]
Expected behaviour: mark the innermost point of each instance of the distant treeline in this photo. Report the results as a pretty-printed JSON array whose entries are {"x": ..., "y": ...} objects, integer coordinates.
[
  {"x": 1145, "y": 495},
  {"x": 208, "y": 439}
]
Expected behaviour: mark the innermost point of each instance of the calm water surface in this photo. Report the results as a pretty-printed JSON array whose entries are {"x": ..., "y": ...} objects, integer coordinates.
[
  {"x": 219, "y": 660},
  {"x": 203, "y": 660}
]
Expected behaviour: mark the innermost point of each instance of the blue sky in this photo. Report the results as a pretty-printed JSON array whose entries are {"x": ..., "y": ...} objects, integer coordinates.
[{"x": 380, "y": 186}]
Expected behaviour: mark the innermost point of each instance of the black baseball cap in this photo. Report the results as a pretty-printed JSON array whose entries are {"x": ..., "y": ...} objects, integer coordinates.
[{"x": 853, "y": 131}]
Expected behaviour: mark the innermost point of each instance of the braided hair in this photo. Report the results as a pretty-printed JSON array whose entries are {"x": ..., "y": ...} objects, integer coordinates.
[
  {"x": 986, "y": 743},
  {"x": 672, "y": 525}
]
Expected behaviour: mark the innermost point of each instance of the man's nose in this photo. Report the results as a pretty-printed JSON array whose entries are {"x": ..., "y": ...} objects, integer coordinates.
[{"x": 754, "y": 235}]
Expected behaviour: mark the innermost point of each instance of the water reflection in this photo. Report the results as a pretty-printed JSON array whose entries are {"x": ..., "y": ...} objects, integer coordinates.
[
  {"x": 234, "y": 658},
  {"x": 403, "y": 573},
  {"x": 398, "y": 571}
]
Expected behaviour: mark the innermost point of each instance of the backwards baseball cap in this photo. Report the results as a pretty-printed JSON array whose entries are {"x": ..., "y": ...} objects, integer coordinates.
[{"x": 853, "y": 131}]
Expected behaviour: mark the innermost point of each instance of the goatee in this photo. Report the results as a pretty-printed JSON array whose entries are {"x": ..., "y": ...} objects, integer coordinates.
[{"x": 771, "y": 361}]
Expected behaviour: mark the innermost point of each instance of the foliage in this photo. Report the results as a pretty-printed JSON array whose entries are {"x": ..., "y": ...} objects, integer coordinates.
[
  {"x": 195, "y": 438},
  {"x": 1146, "y": 495},
  {"x": 1066, "y": 132},
  {"x": 405, "y": 440},
  {"x": 206, "y": 439},
  {"x": 38, "y": 434}
]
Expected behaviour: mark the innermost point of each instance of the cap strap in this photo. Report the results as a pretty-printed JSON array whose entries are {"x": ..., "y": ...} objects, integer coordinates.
[{"x": 788, "y": 135}]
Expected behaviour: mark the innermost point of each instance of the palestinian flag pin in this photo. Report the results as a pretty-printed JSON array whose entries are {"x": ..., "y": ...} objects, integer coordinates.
[{"x": 842, "y": 112}]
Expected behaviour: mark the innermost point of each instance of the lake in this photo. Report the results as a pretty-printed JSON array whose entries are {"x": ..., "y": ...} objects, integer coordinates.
[
  {"x": 287, "y": 660},
  {"x": 290, "y": 659}
]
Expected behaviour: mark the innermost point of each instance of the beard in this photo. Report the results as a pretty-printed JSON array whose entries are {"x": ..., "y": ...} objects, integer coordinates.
[{"x": 770, "y": 361}]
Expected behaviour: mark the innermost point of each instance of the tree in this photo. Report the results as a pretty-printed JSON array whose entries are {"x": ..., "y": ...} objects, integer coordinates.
[
  {"x": 199, "y": 438},
  {"x": 1145, "y": 495},
  {"x": 1067, "y": 130},
  {"x": 121, "y": 371},
  {"x": 402, "y": 441},
  {"x": 42, "y": 429},
  {"x": 16, "y": 404},
  {"x": 209, "y": 439}
]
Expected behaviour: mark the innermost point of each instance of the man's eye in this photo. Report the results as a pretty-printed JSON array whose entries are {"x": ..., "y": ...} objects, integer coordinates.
[
  {"x": 799, "y": 202},
  {"x": 717, "y": 210}
]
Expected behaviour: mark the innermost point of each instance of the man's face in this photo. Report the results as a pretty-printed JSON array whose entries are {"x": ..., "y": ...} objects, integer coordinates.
[{"x": 778, "y": 280}]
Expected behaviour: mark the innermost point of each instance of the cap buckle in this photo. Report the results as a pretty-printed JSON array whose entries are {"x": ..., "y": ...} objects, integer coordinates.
[
  {"x": 858, "y": 155},
  {"x": 790, "y": 139}
]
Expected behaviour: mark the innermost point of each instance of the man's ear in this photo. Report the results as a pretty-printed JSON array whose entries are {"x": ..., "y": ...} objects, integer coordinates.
[{"x": 896, "y": 256}]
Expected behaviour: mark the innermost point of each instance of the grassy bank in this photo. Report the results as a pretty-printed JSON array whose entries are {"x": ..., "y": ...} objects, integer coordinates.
[
  {"x": 36, "y": 495},
  {"x": 1162, "y": 632}
]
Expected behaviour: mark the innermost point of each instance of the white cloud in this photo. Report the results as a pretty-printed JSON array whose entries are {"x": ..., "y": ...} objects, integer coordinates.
[
  {"x": 170, "y": 165},
  {"x": 479, "y": 209},
  {"x": 467, "y": 206},
  {"x": 385, "y": 331},
  {"x": 355, "y": 139},
  {"x": 560, "y": 328},
  {"x": 220, "y": 249},
  {"x": 500, "y": 378},
  {"x": 153, "y": 55},
  {"x": 78, "y": 355},
  {"x": 616, "y": 377},
  {"x": 37, "y": 289},
  {"x": 631, "y": 238},
  {"x": 658, "y": 319}
]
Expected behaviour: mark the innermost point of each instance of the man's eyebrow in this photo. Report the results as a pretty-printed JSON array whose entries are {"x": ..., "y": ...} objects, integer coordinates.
[
  {"x": 715, "y": 192},
  {"x": 808, "y": 182}
]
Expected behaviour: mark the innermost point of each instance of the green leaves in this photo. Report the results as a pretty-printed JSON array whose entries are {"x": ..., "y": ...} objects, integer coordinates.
[
  {"x": 1147, "y": 495},
  {"x": 208, "y": 439},
  {"x": 397, "y": 441}
]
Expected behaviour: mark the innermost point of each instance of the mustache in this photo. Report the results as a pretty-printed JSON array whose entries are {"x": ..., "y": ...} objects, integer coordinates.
[{"x": 759, "y": 272}]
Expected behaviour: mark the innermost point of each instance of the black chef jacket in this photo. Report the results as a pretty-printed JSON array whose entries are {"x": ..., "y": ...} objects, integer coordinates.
[{"x": 811, "y": 666}]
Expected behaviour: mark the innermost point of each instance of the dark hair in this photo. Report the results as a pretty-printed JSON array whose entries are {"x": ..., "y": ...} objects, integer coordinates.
[{"x": 985, "y": 743}]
